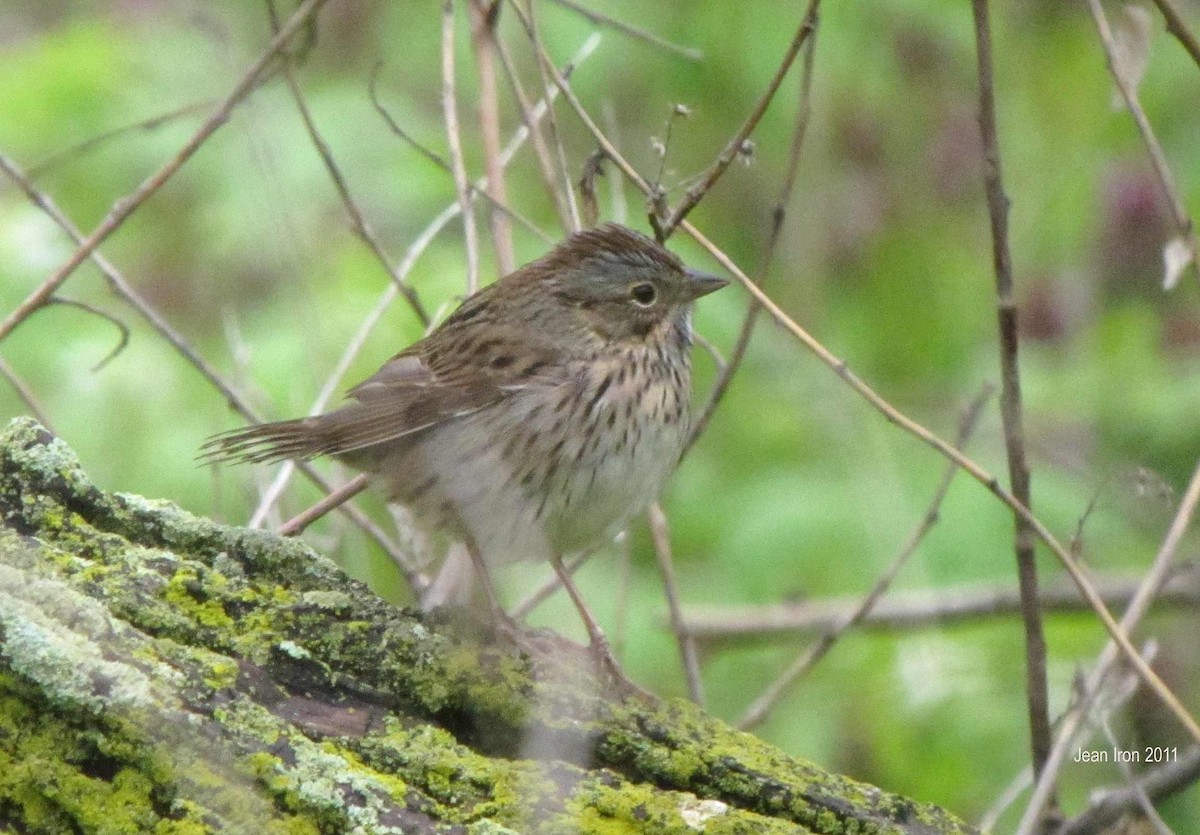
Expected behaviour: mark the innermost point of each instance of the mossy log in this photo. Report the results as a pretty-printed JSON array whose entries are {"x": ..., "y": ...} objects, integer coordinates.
[{"x": 163, "y": 673}]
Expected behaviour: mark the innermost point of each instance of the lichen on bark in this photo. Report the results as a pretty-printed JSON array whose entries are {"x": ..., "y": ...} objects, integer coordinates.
[{"x": 163, "y": 673}]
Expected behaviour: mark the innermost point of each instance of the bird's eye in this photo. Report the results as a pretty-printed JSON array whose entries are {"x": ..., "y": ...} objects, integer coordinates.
[{"x": 643, "y": 294}]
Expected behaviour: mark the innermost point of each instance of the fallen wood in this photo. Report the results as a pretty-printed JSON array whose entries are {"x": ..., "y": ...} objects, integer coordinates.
[{"x": 163, "y": 673}]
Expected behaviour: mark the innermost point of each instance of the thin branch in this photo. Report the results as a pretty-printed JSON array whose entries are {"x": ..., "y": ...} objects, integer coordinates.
[
  {"x": 770, "y": 697},
  {"x": 1150, "y": 586},
  {"x": 661, "y": 535},
  {"x": 620, "y": 630},
  {"x": 929, "y": 609},
  {"x": 618, "y": 202},
  {"x": 540, "y": 152},
  {"x": 734, "y": 147},
  {"x": 778, "y": 215},
  {"x": 545, "y": 68},
  {"x": 402, "y": 270},
  {"x": 1036, "y": 686},
  {"x": 1108, "y": 806},
  {"x": 25, "y": 393},
  {"x": 484, "y": 15},
  {"x": 1166, "y": 181},
  {"x": 454, "y": 139},
  {"x": 539, "y": 595},
  {"x": 122, "y": 328},
  {"x": 125, "y": 291},
  {"x": 1179, "y": 28},
  {"x": 593, "y": 167},
  {"x": 441, "y": 163},
  {"x": 691, "y": 53},
  {"x": 710, "y": 348},
  {"x": 296, "y": 525},
  {"x": 126, "y": 206},
  {"x": 48, "y": 163},
  {"x": 357, "y": 220},
  {"x": 893, "y": 415},
  {"x": 1143, "y": 805}
]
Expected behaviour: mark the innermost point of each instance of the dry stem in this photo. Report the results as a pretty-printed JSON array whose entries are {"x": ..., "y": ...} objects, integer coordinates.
[
  {"x": 1162, "y": 171},
  {"x": 454, "y": 139},
  {"x": 762, "y": 706},
  {"x": 484, "y": 14},
  {"x": 1036, "y": 687},
  {"x": 898, "y": 418},
  {"x": 126, "y": 206},
  {"x": 734, "y": 147},
  {"x": 661, "y": 535}
]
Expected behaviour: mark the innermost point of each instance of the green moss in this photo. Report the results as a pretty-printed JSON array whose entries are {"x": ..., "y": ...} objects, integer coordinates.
[
  {"x": 194, "y": 675},
  {"x": 221, "y": 673},
  {"x": 62, "y": 775},
  {"x": 184, "y": 592}
]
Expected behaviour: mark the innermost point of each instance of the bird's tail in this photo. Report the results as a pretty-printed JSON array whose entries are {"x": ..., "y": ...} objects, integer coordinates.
[{"x": 300, "y": 439}]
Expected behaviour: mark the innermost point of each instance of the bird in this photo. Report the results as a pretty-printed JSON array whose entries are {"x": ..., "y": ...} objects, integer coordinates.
[{"x": 544, "y": 413}]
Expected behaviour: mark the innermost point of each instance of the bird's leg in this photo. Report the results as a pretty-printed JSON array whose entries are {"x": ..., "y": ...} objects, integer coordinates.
[
  {"x": 489, "y": 588},
  {"x": 600, "y": 646}
]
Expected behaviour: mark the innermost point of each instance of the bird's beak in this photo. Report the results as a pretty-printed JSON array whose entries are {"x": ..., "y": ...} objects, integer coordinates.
[{"x": 701, "y": 284}]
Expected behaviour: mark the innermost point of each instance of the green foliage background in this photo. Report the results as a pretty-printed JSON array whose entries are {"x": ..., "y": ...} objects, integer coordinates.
[{"x": 798, "y": 489}]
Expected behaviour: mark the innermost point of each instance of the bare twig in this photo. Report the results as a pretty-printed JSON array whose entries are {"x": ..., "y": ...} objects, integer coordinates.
[
  {"x": 593, "y": 167},
  {"x": 599, "y": 19},
  {"x": 126, "y": 206},
  {"x": 620, "y": 628},
  {"x": 543, "y": 592},
  {"x": 710, "y": 348},
  {"x": 1179, "y": 28},
  {"x": 357, "y": 220},
  {"x": 484, "y": 14},
  {"x": 1159, "y": 784},
  {"x": 401, "y": 271},
  {"x": 1142, "y": 802},
  {"x": 618, "y": 202},
  {"x": 25, "y": 393},
  {"x": 1036, "y": 687},
  {"x": 122, "y": 328},
  {"x": 540, "y": 152},
  {"x": 661, "y": 535},
  {"x": 48, "y": 163},
  {"x": 893, "y": 415},
  {"x": 1151, "y": 583},
  {"x": 1166, "y": 181},
  {"x": 662, "y": 148},
  {"x": 697, "y": 191},
  {"x": 440, "y": 162},
  {"x": 545, "y": 69},
  {"x": 766, "y": 702},
  {"x": 160, "y": 325},
  {"x": 454, "y": 139},
  {"x": 296, "y": 525},
  {"x": 937, "y": 609},
  {"x": 725, "y": 375}
]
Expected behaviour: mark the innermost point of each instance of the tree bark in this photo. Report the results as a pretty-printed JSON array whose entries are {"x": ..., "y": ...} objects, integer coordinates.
[{"x": 163, "y": 673}]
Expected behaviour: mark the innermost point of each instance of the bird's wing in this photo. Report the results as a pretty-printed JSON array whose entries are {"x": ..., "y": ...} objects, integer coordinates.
[
  {"x": 455, "y": 372},
  {"x": 441, "y": 380}
]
